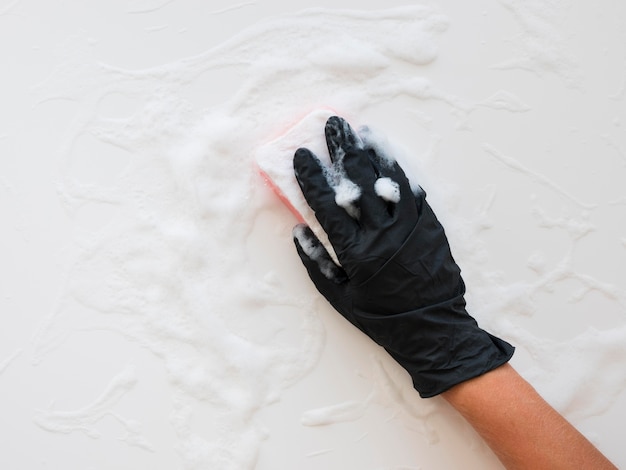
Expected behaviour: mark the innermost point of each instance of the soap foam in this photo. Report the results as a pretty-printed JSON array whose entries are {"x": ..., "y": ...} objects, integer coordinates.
[
  {"x": 170, "y": 271},
  {"x": 387, "y": 189}
]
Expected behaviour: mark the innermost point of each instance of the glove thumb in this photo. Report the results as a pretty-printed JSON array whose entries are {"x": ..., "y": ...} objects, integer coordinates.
[{"x": 329, "y": 279}]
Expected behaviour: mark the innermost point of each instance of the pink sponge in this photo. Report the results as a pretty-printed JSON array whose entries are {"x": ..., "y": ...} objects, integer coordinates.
[{"x": 275, "y": 161}]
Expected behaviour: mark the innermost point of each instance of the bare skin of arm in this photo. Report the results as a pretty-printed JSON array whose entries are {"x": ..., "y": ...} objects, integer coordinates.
[{"x": 523, "y": 430}]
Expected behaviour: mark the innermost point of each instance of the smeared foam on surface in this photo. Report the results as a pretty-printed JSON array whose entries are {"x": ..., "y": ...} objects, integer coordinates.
[{"x": 145, "y": 222}]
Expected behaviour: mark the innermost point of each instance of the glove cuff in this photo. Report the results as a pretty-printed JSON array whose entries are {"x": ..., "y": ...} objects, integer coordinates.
[
  {"x": 440, "y": 345},
  {"x": 489, "y": 352}
]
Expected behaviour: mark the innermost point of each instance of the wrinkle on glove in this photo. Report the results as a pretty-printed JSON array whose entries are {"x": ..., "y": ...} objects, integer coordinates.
[{"x": 397, "y": 280}]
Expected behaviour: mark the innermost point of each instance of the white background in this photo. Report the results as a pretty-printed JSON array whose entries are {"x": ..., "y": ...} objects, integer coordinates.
[{"x": 154, "y": 312}]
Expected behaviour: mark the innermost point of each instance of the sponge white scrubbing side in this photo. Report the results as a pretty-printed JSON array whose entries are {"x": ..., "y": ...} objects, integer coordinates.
[{"x": 275, "y": 160}]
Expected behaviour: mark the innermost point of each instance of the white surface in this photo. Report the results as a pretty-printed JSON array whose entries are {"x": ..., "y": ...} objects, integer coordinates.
[{"x": 155, "y": 312}]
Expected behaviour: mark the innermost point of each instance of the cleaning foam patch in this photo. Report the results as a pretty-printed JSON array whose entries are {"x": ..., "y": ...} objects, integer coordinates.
[
  {"x": 275, "y": 160},
  {"x": 387, "y": 189}
]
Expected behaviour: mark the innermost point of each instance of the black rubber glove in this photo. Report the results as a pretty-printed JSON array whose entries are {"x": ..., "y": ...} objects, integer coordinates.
[{"x": 397, "y": 281}]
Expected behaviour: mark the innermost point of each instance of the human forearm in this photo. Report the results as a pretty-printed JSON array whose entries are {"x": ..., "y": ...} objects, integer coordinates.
[{"x": 523, "y": 430}]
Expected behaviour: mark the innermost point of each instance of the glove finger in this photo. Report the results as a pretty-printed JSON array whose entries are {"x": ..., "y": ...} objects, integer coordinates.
[
  {"x": 340, "y": 137},
  {"x": 325, "y": 274},
  {"x": 394, "y": 196},
  {"x": 420, "y": 198},
  {"x": 312, "y": 177},
  {"x": 353, "y": 165},
  {"x": 392, "y": 185}
]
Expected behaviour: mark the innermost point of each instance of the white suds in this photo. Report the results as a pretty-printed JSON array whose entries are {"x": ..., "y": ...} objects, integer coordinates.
[
  {"x": 378, "y": 142},
  {"x": 347, "y": 193},
  {"x": 85, "y": 419},
  {"x": 4, "y": 364},
  {"x": 347, "y": 411},
  {"x": 164, "y": 237},
  {"x": 387, "y": 189}
]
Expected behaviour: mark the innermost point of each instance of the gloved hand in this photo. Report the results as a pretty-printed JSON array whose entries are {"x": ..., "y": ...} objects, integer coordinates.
[{"x": 397, "y": 280}]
